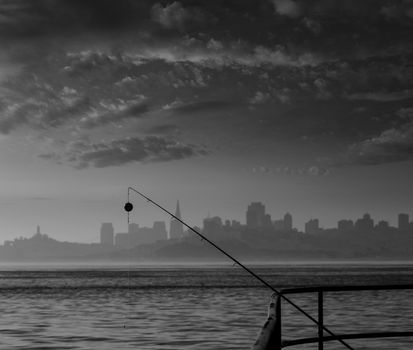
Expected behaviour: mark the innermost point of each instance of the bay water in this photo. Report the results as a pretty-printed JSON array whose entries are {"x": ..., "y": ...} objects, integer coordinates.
[{"x": 192, "y": 307}]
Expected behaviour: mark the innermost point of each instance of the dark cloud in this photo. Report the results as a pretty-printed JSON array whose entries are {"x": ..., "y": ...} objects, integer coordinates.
[
  {"x": 288, "y": 8},
  {"x": 201, "y": 106},
  {"x": 71, "y": 88},
  {"x": 68, "y": 17},
  {"x": 15, "y": 115},
  {"x": 367, "y": 8},
  {"x": 175, "y": 15},
  {"x": 249, "y": 20},
  {"x": 119, "y": 152},
  {"x": 383, "y": 96},
  {"x": 289, "y": 68},
  {"x": 117, "y": 114},
  {"x": 392, "y": 145},
  {"x": 398, "y": 10}
]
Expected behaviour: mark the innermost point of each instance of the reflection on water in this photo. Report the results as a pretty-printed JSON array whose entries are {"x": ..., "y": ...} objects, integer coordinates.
[{"x": 190, "y": 308}]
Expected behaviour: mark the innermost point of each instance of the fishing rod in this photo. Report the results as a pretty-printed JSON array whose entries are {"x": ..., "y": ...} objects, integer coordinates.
[{"x": 129, "y": 207}]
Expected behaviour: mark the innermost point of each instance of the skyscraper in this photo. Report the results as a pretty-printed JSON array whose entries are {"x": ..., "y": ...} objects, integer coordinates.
[
  {"x": 133, "y": 228},
  {"x": 159, "y": 231},
  {"x": 365, "y": 224},
  {"x": 212, "y": 225},
  {"x": 255, "y": 215},
  {"x": 345, "y": 225},
  {"x": 383, "y": 225},
  {"x": 288, "y": 222},
  {"x": 106, "y": 233},
  {"x": 176, "y": 229},
  {"x": 312, "y": 227},
  {"x": 403, "y": 223}
]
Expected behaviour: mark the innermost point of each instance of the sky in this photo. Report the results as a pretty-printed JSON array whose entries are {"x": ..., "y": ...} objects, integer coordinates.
[{"x": 304, "y": 105}]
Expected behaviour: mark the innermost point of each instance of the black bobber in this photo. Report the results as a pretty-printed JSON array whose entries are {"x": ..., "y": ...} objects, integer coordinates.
[{"x": 128, "y": 207}]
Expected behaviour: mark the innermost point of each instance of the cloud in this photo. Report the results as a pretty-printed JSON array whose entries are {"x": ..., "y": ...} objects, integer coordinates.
[
  {"x": 288, "y": 8},
  {"x": 381, "y": 96},
  {"x": 67, "y": 17},
  {"x": 311, "y": 170},
  {"x": 199, "y": 107},
  {"x": 261, "y": 170},
  {"x": 259, "y": 98},
  {"x": 114, "y": 112},
  {"x": 213, "y": 44},
  {"x": 312, "y": 25},
  {"x": 280, "y": 57},
  {"x": 405, "y": 113},
  {"x": 231, "y": 55},
  {"x": 42, "y": 98},
  {"x": 315, "y": 170},
  {"x": 119, "y": 152},
  {"x": 322, "y": 87},
  {"x": 392, "y": 145},
  {"x": 316, "y": 60},
  {"x": 12, "y": 116},
  {"x": 284, "y": 95},
  {"x": 397, "y": 11},
  {"x": 174, "y": 15}
]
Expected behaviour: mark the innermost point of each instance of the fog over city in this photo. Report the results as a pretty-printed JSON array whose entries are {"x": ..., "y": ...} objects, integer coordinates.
[{"x": 305, "y": 106}]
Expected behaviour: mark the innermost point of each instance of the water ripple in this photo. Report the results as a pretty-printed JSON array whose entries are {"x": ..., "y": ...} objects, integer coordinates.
[{"x": 189, "y": 309}]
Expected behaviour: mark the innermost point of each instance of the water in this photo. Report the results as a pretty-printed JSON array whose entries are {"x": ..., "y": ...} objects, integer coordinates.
[{"x": 190, "y": 308}]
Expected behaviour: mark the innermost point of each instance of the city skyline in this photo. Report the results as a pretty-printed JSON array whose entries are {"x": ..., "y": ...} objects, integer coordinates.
[
  {"x": 313, "y": 225},
  {"x": 304, "y": 105},
  {"x": 259, "y": 237}
]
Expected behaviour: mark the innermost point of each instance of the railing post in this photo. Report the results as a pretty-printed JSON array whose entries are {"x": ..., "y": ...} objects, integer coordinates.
[
  {"x": 278, "y": 336},
  {"x": 320, "y": 321}
]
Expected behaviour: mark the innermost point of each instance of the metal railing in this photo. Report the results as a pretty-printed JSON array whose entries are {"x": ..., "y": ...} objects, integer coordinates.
[{"x": 271, "y": 333}]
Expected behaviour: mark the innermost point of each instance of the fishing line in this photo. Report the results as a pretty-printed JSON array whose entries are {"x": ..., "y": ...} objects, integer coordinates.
[
  {"x": 128, "y": 273},
  {"x": 129, "y": 207}
]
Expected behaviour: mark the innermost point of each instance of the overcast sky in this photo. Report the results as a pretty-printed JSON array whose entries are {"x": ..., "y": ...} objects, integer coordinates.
[{"x": 305, "y": 105}]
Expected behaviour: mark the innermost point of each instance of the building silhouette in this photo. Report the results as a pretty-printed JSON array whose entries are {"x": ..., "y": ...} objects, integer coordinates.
[
  {"x": 213, "y": 227},
  {"x": 137, "y": 235},
  {"x": 122, "y": 240},
  {"x": 176, "y": 229},
  {"x": 106, "y": 234},
  {"x": 345, "y": 225},
  {"x": 383, "y": 225},
  {"x": 403, "y": 222},
  {"x": 133, "y": 227},
  {"x": 159, "y": 231},
  {"x": 267, "y": 223},
  {"x": 278, "y": 225},
  {"x": 365, "y": 224},
  {"x": 255, "y": 215},
  {"x": 312, "y": 227},
  {"x": 288, "y": 222}
]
